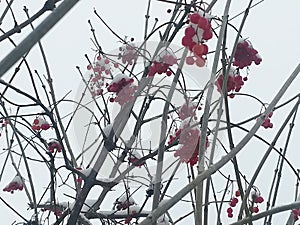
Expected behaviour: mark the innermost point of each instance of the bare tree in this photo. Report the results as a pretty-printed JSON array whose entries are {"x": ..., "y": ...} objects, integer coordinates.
[{"x": 147, "y": 141}]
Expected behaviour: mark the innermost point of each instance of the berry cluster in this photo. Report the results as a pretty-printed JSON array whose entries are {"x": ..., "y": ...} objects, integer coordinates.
[
  {"x": 15, "y": 184},
  {"x": 162, "y": 63},
  {"x": 256, "y": 199},
  {"x": 135, "y": 156},
  {"x": 128, "y": 53},
  {"x": 132, "y": 210},
  {"x": 267, "y": 123},
  {"x": 97, "y": 72},
  {"x": 234, "y": 82},
  {"x": 189, "y": 140},
  {"x": 245, "y": 54},
  {"x": 232, "y": 204},
  {"x": 54, "y": 145},
  {"x": 123, "y": 202},
  {"x": 124, "y": 89},
  {"x": 196, "y": 33},
  {"x": 187, "y": 110},
  {"x": 56, "y": 211},
  {"x": 40, "y": 124},
  {"x": 296, "y": 214}
]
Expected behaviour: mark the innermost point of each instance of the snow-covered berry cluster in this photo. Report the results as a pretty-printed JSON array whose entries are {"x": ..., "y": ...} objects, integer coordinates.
[
  {"x": 234, "y": 82},
  {"x": 40, "y": 123},
  {"x": 135, "y": 156},
  {"x": 188, "y": 109},
  {"x": 123, "y": 202},
  {"x": 123, "y": 87},
  {"x": 256, "y": 199},
  {"x": 267, "y": 123},
  {"x": 97, "y": 73},
  {"x": 128, "y": 53},
  {"x": 189, "y": 142},
  {"x": 162, "y": 63},
  {"x": 198, "y": 31},
  {"x": 16, "y": 184},
  {"x": 54, "y": 146},
  {"x": 245, "y": 54}
]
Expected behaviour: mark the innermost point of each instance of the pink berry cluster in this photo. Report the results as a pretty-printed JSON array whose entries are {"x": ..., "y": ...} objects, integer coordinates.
[
  {"x": 189, "y": 140},
  {"x": 15, "y": 184},
  {"x": 188, "y": 109},
  {"x": 135, "y": 156},
  {"x": 267, "y": 123},
  {"x": 97, "y": 73},
  {"x": 162, "y": 63},
  {"x": 232, "y": 204},
  {"x": 245, "y": 54},
  {"x": 124, "y": 89},
  {"x": 128, "y": 53},
  {"x": 196, "y": 33},
  {"x": 54, "y": 146},
  {"x": 296, "y": 214},
  {"x": 40, "y": 123},
  {"x": 234, "y": 82}
]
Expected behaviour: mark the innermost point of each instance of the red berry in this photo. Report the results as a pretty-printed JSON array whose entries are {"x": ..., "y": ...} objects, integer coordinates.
[
  {"x": 235, "y": 200},
  {"x": 189, "y": 32},
  {"x": 255, "y": 209},
  {"x": 232, "y": 204},
  {"x": 45, "y": 126},
  {"x": 194, "y": 18},
  {"x": 237, "y": 193},
  {"x": 189, "y": 60},
  {"x": 203, "y": 23},
  {"x": 259, "y": 199},
  {"x": 270, "y": 115},
  {"x": 230, "y": 215},
  {"x": 229, "y": 210},
  {"x": 200, "y": 61},
  {"x": 36, "y": 121}
]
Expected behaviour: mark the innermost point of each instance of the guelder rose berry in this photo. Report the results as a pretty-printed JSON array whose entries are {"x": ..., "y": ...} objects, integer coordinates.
[
  {"x": 40, "y": 124},
  {"x": 162, "y": 63},
  {"x": 15, "y": 184},
  {"x": 123, "y": 87},
  {"x": 189, "y": 138},
  {"x": 54, "y": 146},
  {"x": 245, "y": 54},
  {"x": 234, "y": 82},
  {"x": 187, "y": 110},
  {"x": 267, "y": 123},
  {"x": 97, "y": 73},
  {"x": 123, "y": 202},
  {"x": 128, "y": 53},
  {"x": 198, "y": 31},
  {"x": 135, "y": 156}
]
